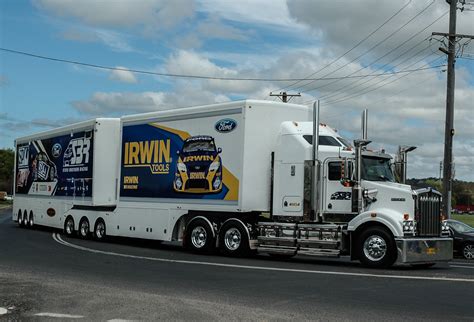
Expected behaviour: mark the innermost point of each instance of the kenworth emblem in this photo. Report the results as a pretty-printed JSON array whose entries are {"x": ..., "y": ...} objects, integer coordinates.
[{"x": 225, "y": 125}]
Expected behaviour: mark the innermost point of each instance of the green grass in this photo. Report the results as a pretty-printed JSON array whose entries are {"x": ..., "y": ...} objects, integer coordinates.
[{"x": 468, "y": 219}]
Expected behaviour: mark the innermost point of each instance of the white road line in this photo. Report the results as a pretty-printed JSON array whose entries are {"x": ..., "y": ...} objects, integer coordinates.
[
  {"x": 58, "y": 239},
  {"x": 59, "y": 315},
  {"x": 3, "y": 311},
  {"x": 460, "y": 266}
]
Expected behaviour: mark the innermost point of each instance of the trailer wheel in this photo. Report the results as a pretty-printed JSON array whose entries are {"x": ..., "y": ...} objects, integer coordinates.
[
  {"x": 233, "y": 239},
  {"x": 69, "y": 226},
  {"x": 199, "y": 237},
  {"x": 84, "y": 228},
  {"x": 376, "y": 248},
  {"x": 31, "y": 221},
  {"x": 99, "y": 229},
  {"x": 25, "y": 219},
  {"x": 19, "y": 218}
]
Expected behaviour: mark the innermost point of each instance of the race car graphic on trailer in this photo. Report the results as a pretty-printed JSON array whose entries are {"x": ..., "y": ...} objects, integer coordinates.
[{"x": 199, "y": 166}]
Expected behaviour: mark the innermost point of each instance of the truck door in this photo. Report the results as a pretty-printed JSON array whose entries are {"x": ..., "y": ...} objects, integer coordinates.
[{"x": 337, "y": 197}]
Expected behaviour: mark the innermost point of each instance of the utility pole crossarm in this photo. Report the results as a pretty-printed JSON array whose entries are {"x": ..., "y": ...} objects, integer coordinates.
[
  {"x": 444, "y": 34},
  {"x": 285, "y": 97}
]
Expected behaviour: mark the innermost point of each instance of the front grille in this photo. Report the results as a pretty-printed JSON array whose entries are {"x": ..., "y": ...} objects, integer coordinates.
[
  {"x": 428, "y": 212},
  {"x": 197, "y": 184}
]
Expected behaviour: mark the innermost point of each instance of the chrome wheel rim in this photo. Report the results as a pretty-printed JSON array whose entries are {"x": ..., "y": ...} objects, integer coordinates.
[
  {"x": 199, "y": 237},
  {"x": 31, "y": 222},
  {"x": 100, "y": 230},
  {"x": 69, "y": 227},
  {"x": 84, "y": 228},
  {"x": 25, "y": 220},
  {"x": 375, "y": 248},
  {"x": 468, "y": 251},
  {"x": 232, "y": 239}
]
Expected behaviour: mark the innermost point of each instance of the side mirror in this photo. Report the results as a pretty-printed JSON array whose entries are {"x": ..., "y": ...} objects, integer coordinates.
[
  {"x": 346, "y": 173},
  {"x": 219, "y": 150}
]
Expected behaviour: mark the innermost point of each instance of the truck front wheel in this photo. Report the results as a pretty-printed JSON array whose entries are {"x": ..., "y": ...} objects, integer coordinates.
[
  {"x": 199, "y": 237},
  {"x": 376, "y": 248},
  {"x": 233, "y": 239}
]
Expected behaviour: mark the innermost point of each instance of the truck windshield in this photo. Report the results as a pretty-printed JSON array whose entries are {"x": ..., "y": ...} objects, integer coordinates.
[
  {"x": 376, "y": 169},
  {"x": 199, "y": 146}
]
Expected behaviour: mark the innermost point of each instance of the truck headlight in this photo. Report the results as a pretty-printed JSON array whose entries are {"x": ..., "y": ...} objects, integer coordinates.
[
  {"x": 444, "y": 228},
  {"x": 214, "y": 166},
  {"x": 181, "y": 167},
  {"x": 409, "y": 227}
]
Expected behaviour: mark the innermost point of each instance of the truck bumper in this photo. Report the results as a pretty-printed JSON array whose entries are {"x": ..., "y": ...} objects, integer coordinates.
[{"x": 424, "y": 250}]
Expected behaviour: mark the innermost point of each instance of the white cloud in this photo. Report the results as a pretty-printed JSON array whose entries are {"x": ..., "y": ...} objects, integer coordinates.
[
  {"x": 150, "y": 14},
  {"x": 257, "y": 12},
  {"x": 123, "y": 75},
  {"x": 121, "y": 103}
]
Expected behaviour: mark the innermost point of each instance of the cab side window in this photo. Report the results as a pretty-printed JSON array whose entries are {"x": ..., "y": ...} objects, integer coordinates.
[{"x": 334, "y": 171}]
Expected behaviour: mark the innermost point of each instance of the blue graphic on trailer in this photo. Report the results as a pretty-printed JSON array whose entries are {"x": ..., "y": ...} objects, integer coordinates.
[
  {"x": 160, "y": 162},
  {"x": 60, "y": 166}
]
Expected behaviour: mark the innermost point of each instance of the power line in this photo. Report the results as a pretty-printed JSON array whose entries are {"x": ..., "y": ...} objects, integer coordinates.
[
  {"x": 191, "y": 76},
  {"x": 395, "y": 58},
  {"x": 353, "y": 85},
  {"x": 343, "y": 99},
  {"x": 348, "y": 51},
  {"x": 373, "y": 47}
]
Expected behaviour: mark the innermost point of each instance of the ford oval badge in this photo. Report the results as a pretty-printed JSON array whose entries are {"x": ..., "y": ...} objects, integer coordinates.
[{"x": 225, "y": 125}]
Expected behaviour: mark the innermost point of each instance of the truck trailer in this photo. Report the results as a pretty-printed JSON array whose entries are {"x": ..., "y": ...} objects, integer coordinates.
[{"x": 239, "y": 177}]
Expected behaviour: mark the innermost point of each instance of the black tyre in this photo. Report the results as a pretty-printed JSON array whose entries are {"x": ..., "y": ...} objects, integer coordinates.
[
  {"x": 69, "y": 226},
  {"x": 31, "y": 220},
  {"x": 84, "y": 228},
  {"x": 233, "y": 239},
  {"x": 199, "y": 237},
  {"x": 99, "y": 229},
  {"x": 376, "y": 248},
  {"x": 19, "y": 218},
  {"x": 468, "y": 251},
  {"x": 25, "y": 219}
]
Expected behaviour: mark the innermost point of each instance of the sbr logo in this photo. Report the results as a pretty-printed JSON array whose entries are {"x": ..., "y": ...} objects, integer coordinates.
[
  {"x": 225, "y": 125},
  {"x": 77, "y": 152}
]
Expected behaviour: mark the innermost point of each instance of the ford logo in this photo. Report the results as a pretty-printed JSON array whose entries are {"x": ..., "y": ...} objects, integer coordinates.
[
  {"x": 225, "y": 125},
  {"x": 56, "y": 150}
]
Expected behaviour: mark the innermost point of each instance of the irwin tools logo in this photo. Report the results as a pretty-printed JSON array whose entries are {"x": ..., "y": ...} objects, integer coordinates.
[
  {"x": 225, "y": 125},
  {"x": 154, "y": 154}
]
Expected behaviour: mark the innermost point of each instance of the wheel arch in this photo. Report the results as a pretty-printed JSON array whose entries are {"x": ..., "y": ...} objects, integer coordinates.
[
  {"x": 361, "y": 228},
  {"x": 211, "y": 226}
]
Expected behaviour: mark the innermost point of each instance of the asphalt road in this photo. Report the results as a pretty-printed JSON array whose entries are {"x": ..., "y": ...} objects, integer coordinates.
[{"x": 44, "y": 275}]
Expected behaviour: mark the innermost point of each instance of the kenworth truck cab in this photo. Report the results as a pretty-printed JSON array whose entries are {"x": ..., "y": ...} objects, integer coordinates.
[{"x": 357, "y": 209}]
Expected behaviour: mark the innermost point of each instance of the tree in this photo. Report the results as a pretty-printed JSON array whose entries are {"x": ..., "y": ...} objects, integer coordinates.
[{"x": 7, "y": 162}]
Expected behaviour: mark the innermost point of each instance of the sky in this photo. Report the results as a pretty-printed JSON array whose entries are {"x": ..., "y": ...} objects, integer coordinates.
[{"x": 351, "y": 55}]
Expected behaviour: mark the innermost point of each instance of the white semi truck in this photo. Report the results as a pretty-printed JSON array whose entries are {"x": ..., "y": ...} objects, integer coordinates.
[{"x": 237, "y": 177}]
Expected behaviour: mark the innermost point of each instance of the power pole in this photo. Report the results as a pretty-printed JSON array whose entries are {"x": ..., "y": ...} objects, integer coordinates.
[
  {"x": 449, "y": 123},
  {"x": 284, "y": 96}
]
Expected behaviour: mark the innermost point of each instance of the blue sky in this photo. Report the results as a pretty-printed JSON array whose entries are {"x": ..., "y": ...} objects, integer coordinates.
[{"x": 256, "y": 39}]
